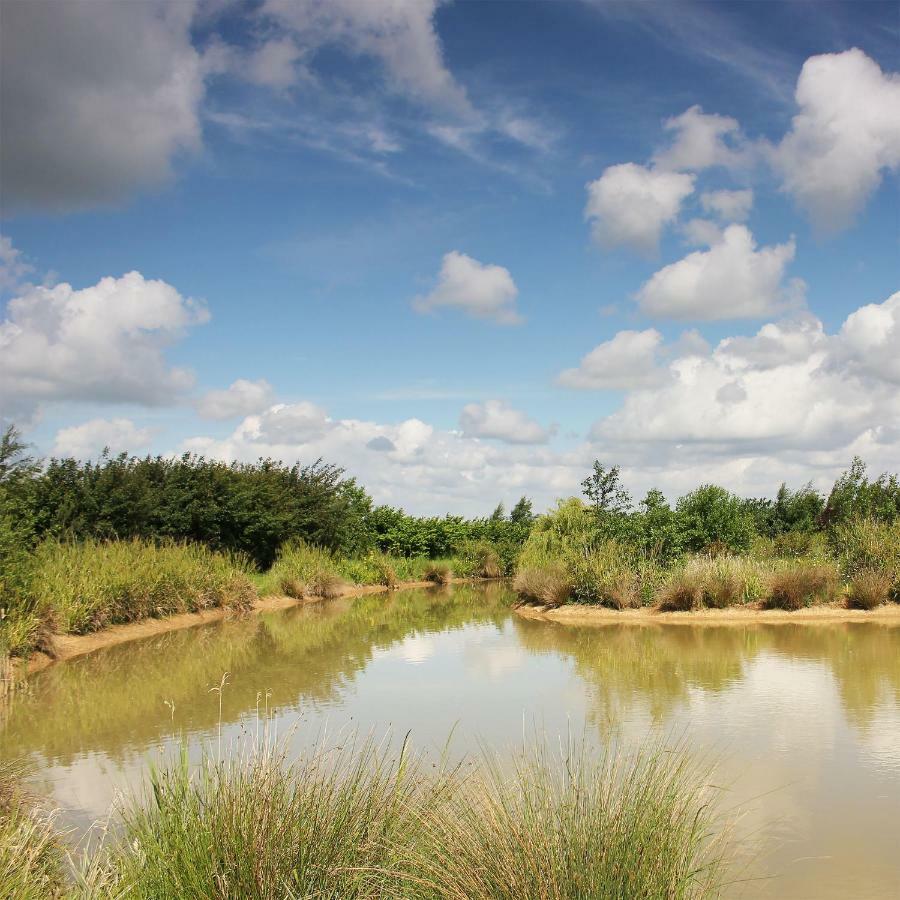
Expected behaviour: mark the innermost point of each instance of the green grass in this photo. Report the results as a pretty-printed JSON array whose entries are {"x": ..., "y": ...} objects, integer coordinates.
[
  {"x": 82, "y": 587},
  {"x": 360, "y": 822},
  {"x": 31, "y": 857}
]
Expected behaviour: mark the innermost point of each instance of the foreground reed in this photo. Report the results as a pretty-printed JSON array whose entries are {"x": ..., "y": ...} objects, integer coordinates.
[
  {"x": 31, "y": 858},
  {"x": 363, "y": 823}
]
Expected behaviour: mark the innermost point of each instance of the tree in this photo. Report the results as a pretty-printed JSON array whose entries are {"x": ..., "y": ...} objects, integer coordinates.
[
  {"x": 710, "y": 516},
  {"x": 604, "y": 489},
  {"x": 522, "y": 513},
  {"x": 499, "y": 513}
]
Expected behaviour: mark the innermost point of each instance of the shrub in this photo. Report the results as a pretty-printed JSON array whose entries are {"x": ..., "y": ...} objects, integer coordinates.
[
  {"x": 868, "y": 588},
  {"x": 711, "y": 514},
  {"x": 803, "y": 585},
  {"x": 85, "y": 586}
]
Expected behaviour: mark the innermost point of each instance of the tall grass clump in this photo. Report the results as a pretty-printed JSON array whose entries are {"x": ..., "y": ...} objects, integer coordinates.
[
  {"x": 362, "y": 823},
  {"x": 605, "y": 575},
  {"x": 481, "y": 560},
  {"x": 301, "y": 569},
  {"x": 566, "y": 825},
  {"x": 84, "y": 586},
  {"x": 868, "y": 588},
  {"x": 803, "y": 584},
  {"x": 31, "y": 856},
  {"x": 682, "y": 591},
  {"x": 548, "y": 585},
  {"x": 439, "y": 572},
  {"x": 864, "y": 545},
  {"x": 335, "y": 824}
]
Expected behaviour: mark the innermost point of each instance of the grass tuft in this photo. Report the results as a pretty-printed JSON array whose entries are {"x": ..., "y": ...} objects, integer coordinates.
[
  {"x": 681, "y": 592},
  {"x": 358, "y": 822},
  {"x": 868, "y": 588},
  {"x": 803, "y": 585},
  {"x": 549, "y": 585},
  {"x": 438, "y": 572}
]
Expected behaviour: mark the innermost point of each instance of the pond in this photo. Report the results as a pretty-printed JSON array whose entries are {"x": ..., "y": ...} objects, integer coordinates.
[{"x": 805, "y": 719}]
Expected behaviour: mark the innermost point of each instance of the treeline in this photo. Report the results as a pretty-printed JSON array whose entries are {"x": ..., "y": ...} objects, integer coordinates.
[
  {"x": 712, "y": 519},
  {"x": 251, "y": 509}
]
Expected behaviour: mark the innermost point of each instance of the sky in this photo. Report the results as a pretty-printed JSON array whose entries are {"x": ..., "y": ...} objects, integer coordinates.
[{"x": 461, "y": 249}]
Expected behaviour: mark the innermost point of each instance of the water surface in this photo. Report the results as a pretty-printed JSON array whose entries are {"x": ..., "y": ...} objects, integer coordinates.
[{"x": 806, "y": 718}]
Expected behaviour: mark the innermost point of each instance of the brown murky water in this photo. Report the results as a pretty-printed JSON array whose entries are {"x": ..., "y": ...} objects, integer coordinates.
[{"x": 805, "y": 718}]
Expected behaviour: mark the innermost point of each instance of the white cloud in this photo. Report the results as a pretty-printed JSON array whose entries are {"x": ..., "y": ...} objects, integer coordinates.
[
  {"x": 241, "y": 398},
  {"x": 870, "y": 339},
  {"x": 399, "y": 33},
  {"x": 702, "y": 140},
  {"x": 273, "y": 64},
  {"x": 701, "y": 232},
  {"x": 497, "y": 419},
  {"x": 103, "y": 344},
  {"x": 97, "y": 99},
  {"x": 13, "y": 268},
  {"x": 791, "y": 389},
  {"x": 627, "y": 360},
  {"x": 732, "y": 279},
  {"x": 629, "y": 205},
  {"x": 728, "y": 206},
  {"x": 480, "y": 290},
  {"x": 845, "y": 135},
  {"x": 286, "y": 423},
  {"x": 88, "y": 440}
]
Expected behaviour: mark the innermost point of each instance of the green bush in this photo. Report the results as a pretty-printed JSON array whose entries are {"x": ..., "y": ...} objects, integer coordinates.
[{"x": 711, "y": 515}]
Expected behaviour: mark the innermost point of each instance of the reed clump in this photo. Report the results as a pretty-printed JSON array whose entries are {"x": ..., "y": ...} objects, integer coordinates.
[
  {"x": 802, "y": 585},
  {"x": 439, "y": 572},
  {"x": 547, "y": 585},
  {"x": 362, "y": 823},
  {"x": 82, "y": 587},
  {"x": 868, "y": 588}
]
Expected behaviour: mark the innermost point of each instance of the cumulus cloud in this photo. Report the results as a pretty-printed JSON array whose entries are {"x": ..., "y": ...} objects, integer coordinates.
[
  {"x": 732, "y": 279},
  {"x": 702, "y": 140},
  {"x": 870, "y": 340},
  {"x": 480, "y": 290},
  {"x": 97, "y": 99},
  {"x": 628, "y": 360},
  {"x": 497, "y": 419},
  {"x": 413, "y": 464},
  {"x": 13, "y": 268},
  {"x": 286, "y": 423},
  {"x": 399, "y": 33},
  {"x": 90, "y": 439},
  {"x": 789, "y": 389},
  {"x": 629, "y": 205},
  {"x": 846, "y": 134},
  {"x": 241, "y": 398},
  {"x": 728, "y": 206},
  {"x": 104, "y": 344}
]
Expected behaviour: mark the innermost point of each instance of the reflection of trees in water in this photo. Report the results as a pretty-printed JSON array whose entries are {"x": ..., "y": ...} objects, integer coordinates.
[
  {"x": 864, "y": 657},
  {"x": 658, "y": 665},
  {"x": 114, "y": 699},
  {"x": 655, "y": 665}
]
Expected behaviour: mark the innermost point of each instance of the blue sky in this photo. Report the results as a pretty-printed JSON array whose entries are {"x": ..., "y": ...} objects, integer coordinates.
[{"x": 459, "y": 248}]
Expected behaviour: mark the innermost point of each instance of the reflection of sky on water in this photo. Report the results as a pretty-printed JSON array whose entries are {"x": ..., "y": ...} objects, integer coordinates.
[{"x": 805, "y": 721}]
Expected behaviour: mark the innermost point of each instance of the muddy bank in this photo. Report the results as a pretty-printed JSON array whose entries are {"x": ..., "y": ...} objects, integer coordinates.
[
  {"x": 575, "y": 614},
  {"x": 68, "y": 646}
]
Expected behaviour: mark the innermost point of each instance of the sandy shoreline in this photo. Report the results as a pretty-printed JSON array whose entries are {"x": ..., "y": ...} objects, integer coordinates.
[
  {"x": 69, "y": 646},
  {"x": 574, "y": 614}
]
